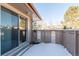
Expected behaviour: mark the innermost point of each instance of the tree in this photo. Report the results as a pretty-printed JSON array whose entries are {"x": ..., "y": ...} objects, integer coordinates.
[{"x": 71, "y": 17}]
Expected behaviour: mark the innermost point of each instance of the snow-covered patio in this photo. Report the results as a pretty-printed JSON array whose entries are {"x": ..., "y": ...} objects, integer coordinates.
[{"x": 46, "y": 49}]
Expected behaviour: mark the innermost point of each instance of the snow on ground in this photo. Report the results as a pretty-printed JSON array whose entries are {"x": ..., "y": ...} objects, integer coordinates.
[{"x": 47, "y": 49}]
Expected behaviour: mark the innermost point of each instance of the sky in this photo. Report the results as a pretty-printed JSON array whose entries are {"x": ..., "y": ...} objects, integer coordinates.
[{"x": 53, "y": 13}]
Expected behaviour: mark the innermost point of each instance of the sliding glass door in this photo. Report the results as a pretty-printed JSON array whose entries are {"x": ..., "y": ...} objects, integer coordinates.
[
  {"x": 9, "y": 30},
  {"x": 5, "y": 30},
  {"x": 13, "y": 30}
]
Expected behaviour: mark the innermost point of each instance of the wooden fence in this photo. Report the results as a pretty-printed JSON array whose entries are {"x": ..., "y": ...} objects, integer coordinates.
[{"x": 68, "y": 38}]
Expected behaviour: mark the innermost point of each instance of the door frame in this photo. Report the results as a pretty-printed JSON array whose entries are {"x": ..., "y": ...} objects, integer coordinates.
[{"x": 26, "y": 18}]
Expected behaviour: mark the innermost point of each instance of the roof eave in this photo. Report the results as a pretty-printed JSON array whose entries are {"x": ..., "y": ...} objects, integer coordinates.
[{"x": 34, "y": 10}]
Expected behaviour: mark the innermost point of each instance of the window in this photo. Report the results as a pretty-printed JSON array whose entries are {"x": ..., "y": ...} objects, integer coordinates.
[{"x": 23, "y": 29}]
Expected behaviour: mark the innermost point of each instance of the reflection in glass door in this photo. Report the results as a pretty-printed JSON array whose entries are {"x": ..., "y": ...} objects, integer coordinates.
[
  {"x": 9, "y": 30},
  {"x": 5, "y": 30},
  {"x": 22, "y": 28},
  {"x": 15, "y": 28}
]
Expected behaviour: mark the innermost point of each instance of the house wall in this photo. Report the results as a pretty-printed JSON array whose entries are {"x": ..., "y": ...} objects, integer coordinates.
[
  {"x": 28, "y": 18},
  {"x": 29, "y": 31}
]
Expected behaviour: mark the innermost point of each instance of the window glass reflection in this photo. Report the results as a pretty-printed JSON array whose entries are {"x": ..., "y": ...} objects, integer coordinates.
[
  {"x": 22, "y": 27},
  {"x": 9, "y": 35}
]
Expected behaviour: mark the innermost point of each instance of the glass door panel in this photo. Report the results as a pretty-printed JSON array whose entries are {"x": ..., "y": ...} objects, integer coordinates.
[
  {"x": 22, "y": 27},
  {"x": 5, "y": 30},
  {"x": 9, "y": 30},
  {"x": 15, "y": 25}
]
